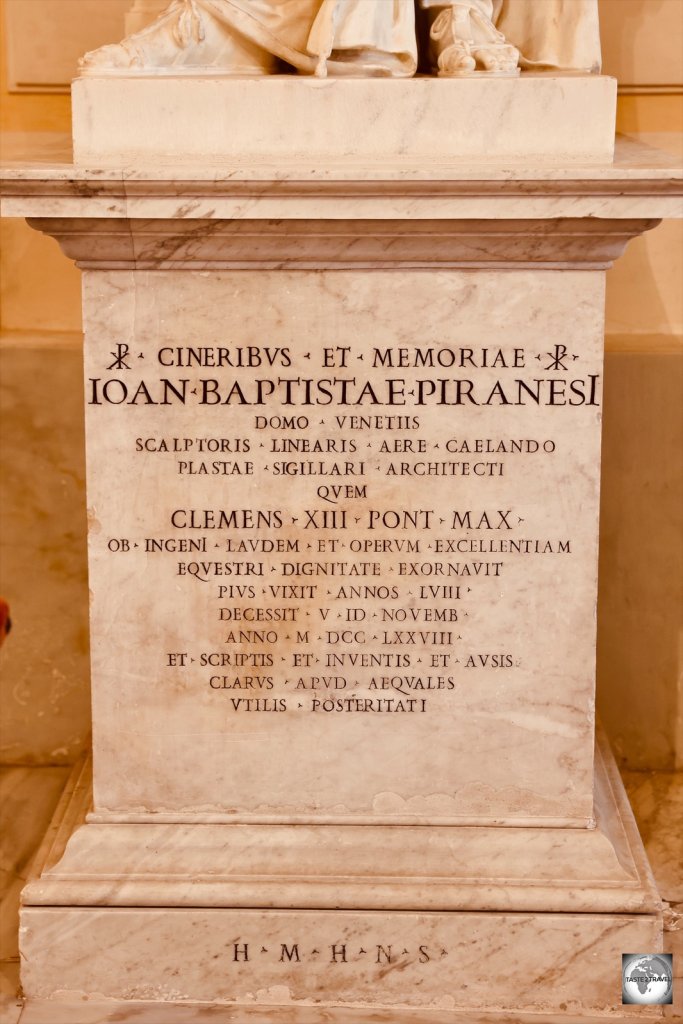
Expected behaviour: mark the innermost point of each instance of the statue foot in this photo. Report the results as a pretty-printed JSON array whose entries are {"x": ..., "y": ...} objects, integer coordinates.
[
  {"x": 465, "y": 41},
  {"x": 456, "y": 59},
  {"x": 113, "y": 55},
  {"x": 186, "y": 35},
  {"x": 501, "y": 58}
]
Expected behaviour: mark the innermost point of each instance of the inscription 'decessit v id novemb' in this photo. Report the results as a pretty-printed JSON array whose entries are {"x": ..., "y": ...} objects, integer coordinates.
[{"x": 347, "y": 531}]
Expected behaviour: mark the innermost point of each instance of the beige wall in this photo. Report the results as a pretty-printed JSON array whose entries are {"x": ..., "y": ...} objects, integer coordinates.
[
  {"x": 44, "y": 663},
  {"x": 42, "y": 570}
]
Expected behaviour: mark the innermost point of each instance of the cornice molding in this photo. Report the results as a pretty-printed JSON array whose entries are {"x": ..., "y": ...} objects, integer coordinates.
[
  {"x": 51, "y": 187},
  {"x": 221, "y": 244}
]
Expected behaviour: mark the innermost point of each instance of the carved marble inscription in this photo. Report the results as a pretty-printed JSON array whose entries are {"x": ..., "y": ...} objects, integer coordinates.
[{"x": 343, "y": 543}]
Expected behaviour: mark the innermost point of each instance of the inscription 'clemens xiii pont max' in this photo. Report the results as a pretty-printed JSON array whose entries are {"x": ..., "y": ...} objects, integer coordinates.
[{"x": 363, "y": 589}]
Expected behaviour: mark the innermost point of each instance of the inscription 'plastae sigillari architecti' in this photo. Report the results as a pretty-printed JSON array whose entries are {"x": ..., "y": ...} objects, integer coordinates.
[{"x": 343, "y": 433}]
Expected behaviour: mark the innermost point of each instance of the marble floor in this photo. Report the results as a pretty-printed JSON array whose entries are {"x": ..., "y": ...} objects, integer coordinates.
[{"x": 29, "y": 795}]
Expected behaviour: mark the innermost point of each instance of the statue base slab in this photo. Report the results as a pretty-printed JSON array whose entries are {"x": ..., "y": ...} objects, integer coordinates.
[
  {"x": 525, "y": 920},
  {"x": 200, "y": 119}
]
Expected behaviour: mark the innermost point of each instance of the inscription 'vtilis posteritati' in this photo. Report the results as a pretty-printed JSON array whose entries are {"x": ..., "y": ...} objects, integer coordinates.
[{"x": 347, "y": 535}]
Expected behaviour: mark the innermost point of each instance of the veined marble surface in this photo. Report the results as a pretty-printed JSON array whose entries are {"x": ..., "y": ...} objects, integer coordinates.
[
  {"x": 198, "y": 1013},
  {"x": 507, "y": 754},
  {"x": 599, "y": 870},
  {"x": 656, "y": 796},
  {"x": 153, "y": 120},
  {"x": 48, "y": 156},
  {"x": 100, "y": 940},
  {"x": 643, "y": 181}
]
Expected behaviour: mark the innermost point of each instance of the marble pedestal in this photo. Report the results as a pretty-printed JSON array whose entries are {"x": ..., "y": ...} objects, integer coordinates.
[
  {"x": 447, "y": 921},
  {"x": 343, "y": 448}
]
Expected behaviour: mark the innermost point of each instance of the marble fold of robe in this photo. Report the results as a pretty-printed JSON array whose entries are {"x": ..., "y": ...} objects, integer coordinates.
[
  {"x": 552, "y": 34},
  {"x": 378, "y": 37}
]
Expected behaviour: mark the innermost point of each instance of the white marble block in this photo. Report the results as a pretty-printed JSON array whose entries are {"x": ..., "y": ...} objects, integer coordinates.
[
  {"x": 355, "y": 566},
  {"x": 542, "y": 117}
]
